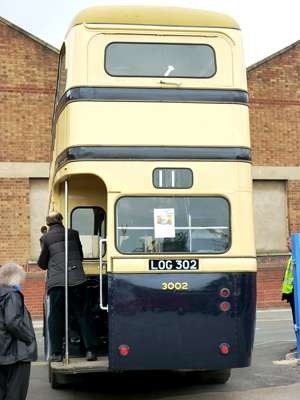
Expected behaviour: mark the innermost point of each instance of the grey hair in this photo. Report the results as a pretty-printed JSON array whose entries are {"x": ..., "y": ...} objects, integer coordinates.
[{"x": 11, "y": 274}]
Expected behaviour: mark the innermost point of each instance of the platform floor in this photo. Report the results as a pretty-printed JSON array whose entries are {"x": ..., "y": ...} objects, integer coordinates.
[{"x": 80, "y": 365}]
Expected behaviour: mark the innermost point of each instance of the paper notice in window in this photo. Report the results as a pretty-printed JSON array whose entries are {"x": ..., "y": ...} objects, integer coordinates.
[{"x": 164, "y": 223}]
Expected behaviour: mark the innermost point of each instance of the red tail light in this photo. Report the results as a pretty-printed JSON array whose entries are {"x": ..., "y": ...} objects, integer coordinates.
[
  {"x": 224, "y": 292},
  {"x": 225, "y": 306},
  {"x": 123, "y": 350},
  {"x": 224, "y": 348}
]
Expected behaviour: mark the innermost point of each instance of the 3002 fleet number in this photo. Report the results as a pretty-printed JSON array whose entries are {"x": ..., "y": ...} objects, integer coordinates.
[{"x": 175, "y": 285}]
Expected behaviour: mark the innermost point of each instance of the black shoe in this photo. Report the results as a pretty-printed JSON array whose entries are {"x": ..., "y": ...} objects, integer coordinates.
[
  {"x": 90, "y": 356},
  {"x": 56, "y": 358}
]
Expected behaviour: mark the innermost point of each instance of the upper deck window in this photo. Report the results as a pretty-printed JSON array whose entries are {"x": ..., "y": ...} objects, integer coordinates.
[
  {"x": 160, "y": 60},
  {"x": 62, "y": 75}
]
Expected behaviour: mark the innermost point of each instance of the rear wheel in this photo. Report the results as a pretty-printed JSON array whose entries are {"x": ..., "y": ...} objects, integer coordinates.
[
  {"x": 56, "y": 380},
  {"x": 218, "y": 376}
]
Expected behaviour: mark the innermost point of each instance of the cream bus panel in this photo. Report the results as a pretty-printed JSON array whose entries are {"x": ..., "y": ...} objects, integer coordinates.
[
  {"x": 149, "y": 16},
  {"x": 122, "y": 176},
  {"x": 241, "y": 233},
  {"x": 122, "y": 179},
  {"x": 140, "y": 265},
  {"x": 107, "y": 123},
  {"x": 98, "y": 76},
  {"x": 83, "y": 40},
  {"x": 87, "y": 192}
]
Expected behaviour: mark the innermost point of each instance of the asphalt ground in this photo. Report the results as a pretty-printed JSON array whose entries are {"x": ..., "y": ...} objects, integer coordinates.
[{"x": 263, "y": 380}]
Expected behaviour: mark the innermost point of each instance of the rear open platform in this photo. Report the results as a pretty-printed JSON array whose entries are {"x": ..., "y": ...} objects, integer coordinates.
[{"x": 80, "y": 366}]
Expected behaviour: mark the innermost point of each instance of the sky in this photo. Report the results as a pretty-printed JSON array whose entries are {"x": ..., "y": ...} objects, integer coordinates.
[{"x": 268, "y": 26}]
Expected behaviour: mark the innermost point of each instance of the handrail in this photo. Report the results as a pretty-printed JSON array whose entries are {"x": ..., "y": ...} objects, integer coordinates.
[
  {"x": 66, "y": 360},
  {"x": 102, "y": 306}
]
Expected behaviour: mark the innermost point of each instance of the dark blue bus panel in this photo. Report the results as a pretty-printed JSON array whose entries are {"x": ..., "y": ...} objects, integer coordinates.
[{"x": 208, "y": 322}]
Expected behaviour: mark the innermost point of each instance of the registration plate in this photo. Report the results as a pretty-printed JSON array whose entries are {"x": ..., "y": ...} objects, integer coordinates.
[{"x": 178, "y": 265}]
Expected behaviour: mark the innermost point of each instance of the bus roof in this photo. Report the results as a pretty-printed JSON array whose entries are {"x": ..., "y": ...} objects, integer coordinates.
[{"x": 147, "y": 15}]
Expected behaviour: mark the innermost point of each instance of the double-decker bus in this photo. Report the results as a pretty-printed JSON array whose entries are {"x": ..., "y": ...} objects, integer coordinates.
[{"x": 151, "y": 163}]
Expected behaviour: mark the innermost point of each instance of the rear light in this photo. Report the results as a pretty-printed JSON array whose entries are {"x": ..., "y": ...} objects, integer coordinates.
[
  {"x": 224, "y": 292},
  {"x": 123, "y": 350},
  {"x": 225, "y": 306},
  {"x": 224, "y": 348}
]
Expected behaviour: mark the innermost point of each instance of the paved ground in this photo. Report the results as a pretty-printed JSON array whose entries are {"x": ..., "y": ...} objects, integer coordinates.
[{"x": 262, "y": 381}]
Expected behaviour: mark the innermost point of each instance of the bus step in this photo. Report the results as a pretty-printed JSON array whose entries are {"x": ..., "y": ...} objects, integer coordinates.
[{"x": 80, "y": 366}]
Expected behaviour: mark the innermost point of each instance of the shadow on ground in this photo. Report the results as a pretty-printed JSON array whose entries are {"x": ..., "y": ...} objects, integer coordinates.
[{"x": 161, "y": 384}]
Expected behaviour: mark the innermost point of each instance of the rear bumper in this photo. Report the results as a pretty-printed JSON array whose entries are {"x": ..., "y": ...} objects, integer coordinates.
[{"x": 180, "y": 329}]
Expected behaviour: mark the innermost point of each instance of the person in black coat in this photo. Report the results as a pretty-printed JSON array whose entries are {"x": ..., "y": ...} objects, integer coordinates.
[
  {"x": 17, "y": 339},
  {"x": 44, "y": 230},
  {"x": 52, "y": 258}
]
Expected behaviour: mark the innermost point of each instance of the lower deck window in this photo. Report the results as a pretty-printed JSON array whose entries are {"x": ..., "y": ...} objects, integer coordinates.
[
  {"x": 173, "y": 225},
  {"x": 89, "y": 222}
]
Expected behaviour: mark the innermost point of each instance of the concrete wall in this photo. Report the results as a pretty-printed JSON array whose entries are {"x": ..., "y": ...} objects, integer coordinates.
[
  {"x": 271, "y": 217},
  {"x": 38, "y": 202}
]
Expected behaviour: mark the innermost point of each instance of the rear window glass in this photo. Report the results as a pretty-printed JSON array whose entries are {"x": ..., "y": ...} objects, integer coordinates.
[
  {"x": 173, "y": 224},
  {"x": 160, "y": 60},
  {"x": 177, "y": 178}
]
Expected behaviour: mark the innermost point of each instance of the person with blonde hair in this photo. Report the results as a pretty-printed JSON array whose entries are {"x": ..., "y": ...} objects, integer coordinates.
[{"x": 17, "y": 339}]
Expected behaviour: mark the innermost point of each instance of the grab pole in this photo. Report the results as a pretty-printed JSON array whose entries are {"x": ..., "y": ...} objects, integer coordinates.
[
  {"x": 66, "y": 360},
  {"x": 296, "y": 275},
  {"x": 102, "y": 306}
]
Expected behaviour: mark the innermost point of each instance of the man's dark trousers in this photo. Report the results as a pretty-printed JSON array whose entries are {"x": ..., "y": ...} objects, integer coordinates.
[
  {"x": 78, "y": 308},
  {"x": 14, "y": 381}
]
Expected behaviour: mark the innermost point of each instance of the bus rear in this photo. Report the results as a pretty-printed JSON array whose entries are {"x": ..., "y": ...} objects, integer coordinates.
[{"x": 152, "y": 138}]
